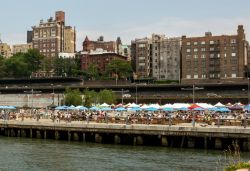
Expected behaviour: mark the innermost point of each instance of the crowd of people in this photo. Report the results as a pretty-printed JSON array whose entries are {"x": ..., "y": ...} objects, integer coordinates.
[{"x": 236, "y": 118}]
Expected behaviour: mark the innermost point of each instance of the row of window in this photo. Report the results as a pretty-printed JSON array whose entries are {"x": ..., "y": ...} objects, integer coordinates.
[
  {"x": 233, "y": 48},
  {"x": 211, "y": 42},
  {"x": 212, "y": 55},
  {"x": 196, "y": 76}
]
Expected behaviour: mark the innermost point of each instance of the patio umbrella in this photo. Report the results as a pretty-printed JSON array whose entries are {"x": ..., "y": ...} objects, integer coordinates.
[
  {"x": 135, "y": 109},
  {"x": 94, "y": 108},
  {"x": 168, "y": 109},
  {"x": 83, "y": 108},
  {"x": 120, "y": 109},
  {"x": 151, "y": 109}
]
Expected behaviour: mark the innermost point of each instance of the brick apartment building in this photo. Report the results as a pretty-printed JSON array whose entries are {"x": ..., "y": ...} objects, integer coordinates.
[
  {"x": 49, "y": 37},
  {"x": 214, "y": 59},
  {"x": 99, "y": 58},
  {"x": 89, "y": 45}
]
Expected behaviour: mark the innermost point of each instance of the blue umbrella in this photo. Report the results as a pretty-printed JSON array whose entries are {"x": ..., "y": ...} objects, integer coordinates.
[
  {"x": 94, "y": 108},
  {"x": 135, "y": 109},
  {"x": 61, "y": 108},
  {"x": 151, "y": 109},
  {"x": 223, "y": 110},
  {"x": 198, "y": 109},
  {"x": 183, "y": 108},
  {"x": 168, "y": 109},
  {"x": 106, "y": 108},
  {"x": 83, "y": 108},
  {"x": 247, "y": 108},
  {"x": 71, "y": 108},
  {"x": 120, "y": 109}
]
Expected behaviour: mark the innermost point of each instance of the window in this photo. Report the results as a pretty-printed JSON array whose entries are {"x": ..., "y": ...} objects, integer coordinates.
[
  {"x": 233, "y": 41},
  {"x": 211, "y": 55},
  {"x": 195, "y": 76},
  {"x": 141, "y": 64},
  {"x": 203, "y": 56},
  {"x": 218, "y": 55},
  {"x": 195, "y": 50},
  {"x": 155, "y": 47},
  {"x": 188, "y": 56},
  {"x": 211, "y": 75},
  {"x": 195, "y": 63},
  {"x": 233, "y": 54},
  {"x": 155, "y": 54},
  {"x": 188, "y": 50},
  {"x": 195, "y": 56},
  {"x": 211, "y": 49},
  {"x": 195, "y": 43},
  {"x": 188, "y": 76},
  {"x": 203, "y": 49},
  {"x": 188, "y": 43},
  {"x": 211, "y": 42},
  {"x": 234, "y": 75},
  {"x": 225, "y": 55},
  {"x": 142, "y": 45},
  {"x": 203, "y": 76},
  {"x": 203, "y": 42},
  {"x": 188, "y": 63}
]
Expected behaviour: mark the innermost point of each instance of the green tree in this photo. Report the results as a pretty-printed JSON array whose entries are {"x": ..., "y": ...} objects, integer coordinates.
[
  {"x": 120, "y": 68},
  {"x": 73, "y": 97},
  {"x": 92, "y": 72},
  {"x": 107, "y": 96},
  {"x": 33, "y": 58},
  {"x": 16, "y": 66},
  {"x": 90, "y": 97}
]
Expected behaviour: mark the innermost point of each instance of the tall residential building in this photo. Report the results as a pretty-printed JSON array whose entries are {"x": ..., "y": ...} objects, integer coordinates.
[
  {"x": 89, "y": 45},
  {"x": 49, "y": 36},
  {"x": 165, "y": 57},
  {"x": 141, "y": 57},
  {"x": 5, "y": 50},
  {"x": 214, "y": 59},
  {"x": 69, "y": 39},
  {"x": 21, "y": 48}
]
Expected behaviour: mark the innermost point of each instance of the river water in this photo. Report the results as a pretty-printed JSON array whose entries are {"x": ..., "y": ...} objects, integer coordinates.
[{"x": 38, "y": 155}]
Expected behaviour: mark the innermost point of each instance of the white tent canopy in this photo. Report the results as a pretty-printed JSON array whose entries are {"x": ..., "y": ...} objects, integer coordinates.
[{"x": 219, "y": 104}]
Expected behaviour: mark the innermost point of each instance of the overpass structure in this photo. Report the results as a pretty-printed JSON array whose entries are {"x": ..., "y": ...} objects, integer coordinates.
[{"x": 139, "y": 92}]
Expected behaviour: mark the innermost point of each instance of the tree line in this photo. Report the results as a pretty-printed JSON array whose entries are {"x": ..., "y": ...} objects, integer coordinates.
[
  {"x": 24, "y": 64},
  {"x": 88, "y": 98}
]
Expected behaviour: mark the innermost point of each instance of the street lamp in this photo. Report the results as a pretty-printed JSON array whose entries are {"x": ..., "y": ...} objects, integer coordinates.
[
  {"x": 53, "y": 95},
  {"x": 136, "y": 93},
  {"x": 193, "y": 90},
  {"x": 32, "y": 99},
  {"x": 122, "y": 96},
  {"x": 248, "y": 90}
]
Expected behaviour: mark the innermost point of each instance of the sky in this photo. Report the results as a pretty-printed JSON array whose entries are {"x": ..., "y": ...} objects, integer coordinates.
[{"x": 128, "y": 19}]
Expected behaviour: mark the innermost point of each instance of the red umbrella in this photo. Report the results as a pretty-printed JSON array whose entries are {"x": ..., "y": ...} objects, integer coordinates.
[{"x": 193, "y": 106}]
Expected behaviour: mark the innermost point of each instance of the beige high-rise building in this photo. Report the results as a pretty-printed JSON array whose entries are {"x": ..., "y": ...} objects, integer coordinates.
[
  {"x": 165, "y": 57},
  {"x": 5, "y": 50},
  {"x": 21, "y": 48},
  {"x": 69, "y": 40},
  {"x": 53, "y": 37}
]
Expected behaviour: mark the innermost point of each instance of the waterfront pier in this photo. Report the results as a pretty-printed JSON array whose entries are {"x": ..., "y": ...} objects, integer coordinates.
[{"x": 178, "y": 136}]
